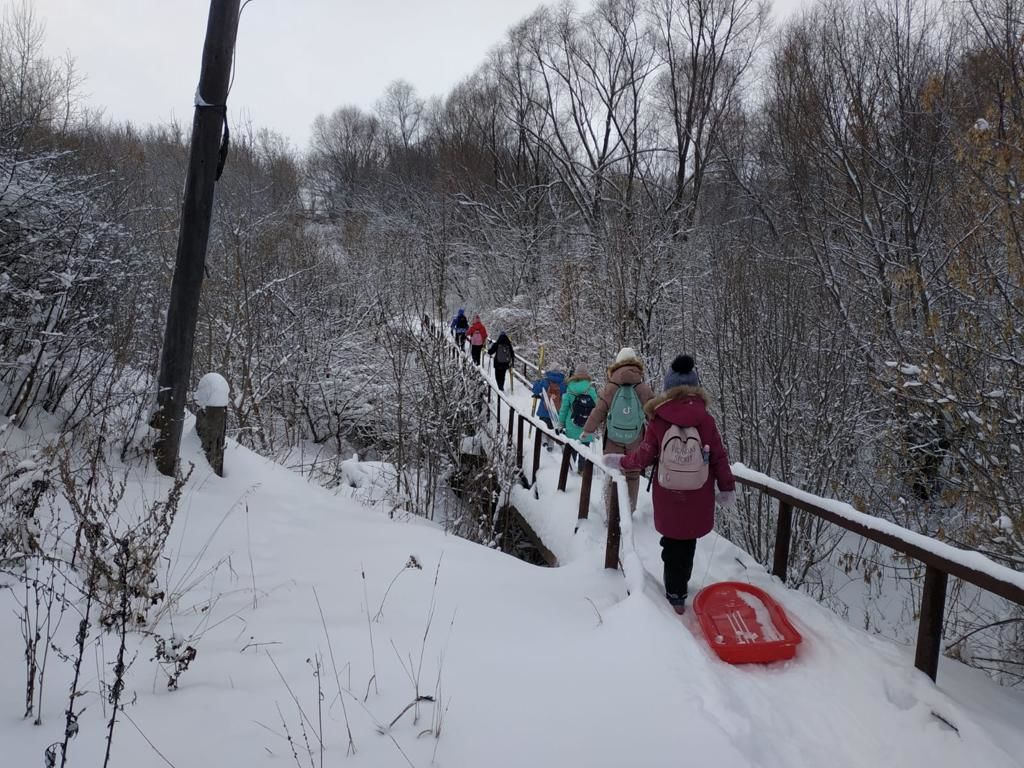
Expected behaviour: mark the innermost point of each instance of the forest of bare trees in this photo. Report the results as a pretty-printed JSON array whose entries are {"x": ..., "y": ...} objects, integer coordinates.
[{"x": 825, "y": 212}]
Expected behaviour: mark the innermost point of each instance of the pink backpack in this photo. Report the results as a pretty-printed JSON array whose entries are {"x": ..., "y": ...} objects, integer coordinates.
[
  {"x": 683, "y": 462},
  {"x": 477, "y": 338}
]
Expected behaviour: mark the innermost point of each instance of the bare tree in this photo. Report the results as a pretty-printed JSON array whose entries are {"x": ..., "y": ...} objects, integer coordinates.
[{"x": 706, "y": 47}]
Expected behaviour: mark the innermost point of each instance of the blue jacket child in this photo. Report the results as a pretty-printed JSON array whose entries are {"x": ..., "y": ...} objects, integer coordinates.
[
  {"x": 459, "y": 322},
  {"x": 547, "y": 383}
]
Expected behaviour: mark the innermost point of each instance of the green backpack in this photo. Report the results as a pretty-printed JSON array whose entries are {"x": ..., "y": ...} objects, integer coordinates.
[{"x": 626, "y": 418}]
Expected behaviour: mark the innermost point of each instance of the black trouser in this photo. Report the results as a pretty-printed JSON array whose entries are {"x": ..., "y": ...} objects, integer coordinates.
[
  {"x": 499, "y": 375},
  {"x": 677, "y": 554},
  {"x": 460, "y": 339},
  {"x": 475, "y": 350}
]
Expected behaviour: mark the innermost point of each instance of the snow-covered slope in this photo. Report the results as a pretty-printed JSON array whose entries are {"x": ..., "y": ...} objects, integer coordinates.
[{"x": 527, "y": 666}]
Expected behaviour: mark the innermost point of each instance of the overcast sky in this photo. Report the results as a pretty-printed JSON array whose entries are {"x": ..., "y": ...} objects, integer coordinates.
[{"x": 295, "y": 58}]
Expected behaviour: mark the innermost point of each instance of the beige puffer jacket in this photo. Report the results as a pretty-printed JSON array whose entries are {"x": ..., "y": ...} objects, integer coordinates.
[{"x": 619, "y": 374}]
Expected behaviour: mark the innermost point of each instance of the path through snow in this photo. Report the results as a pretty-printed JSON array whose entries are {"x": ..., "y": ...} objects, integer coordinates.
[{"x": 532, "y": 666}]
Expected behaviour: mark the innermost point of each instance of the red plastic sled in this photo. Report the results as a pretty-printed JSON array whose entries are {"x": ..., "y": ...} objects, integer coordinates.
[{"x": 745, "y": 625}]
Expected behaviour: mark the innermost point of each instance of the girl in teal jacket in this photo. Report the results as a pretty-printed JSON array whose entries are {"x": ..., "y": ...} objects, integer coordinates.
[{"x": 577, "y": 403}]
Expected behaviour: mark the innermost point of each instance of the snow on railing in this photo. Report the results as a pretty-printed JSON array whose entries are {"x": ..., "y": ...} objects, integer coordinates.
[
  {"x": 970, "y": 566},
  {"x": 941, "y": 560}
]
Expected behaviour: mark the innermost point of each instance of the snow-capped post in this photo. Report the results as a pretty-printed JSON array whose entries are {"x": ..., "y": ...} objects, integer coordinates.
[
  {"x": 929, "y": 626},
  {"x": 209, "y": 132},
  {"x": 783, "y": 536},
  {"x": 211, "y": 400},
  {"x": 511, "y": 426}
]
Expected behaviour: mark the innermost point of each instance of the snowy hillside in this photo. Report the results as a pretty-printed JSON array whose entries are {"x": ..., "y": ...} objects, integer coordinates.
[{"x": 522, "y": 665}]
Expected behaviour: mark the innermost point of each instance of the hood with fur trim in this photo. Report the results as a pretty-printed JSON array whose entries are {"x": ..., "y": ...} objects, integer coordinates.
[
  {"x": 579, "y": 377},
  {"x": 626, "y": 372},
  {"x": 680, "y": 394}
]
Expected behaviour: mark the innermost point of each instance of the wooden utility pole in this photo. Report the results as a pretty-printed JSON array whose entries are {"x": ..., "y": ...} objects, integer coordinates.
[{"x": 208, "y": 126}]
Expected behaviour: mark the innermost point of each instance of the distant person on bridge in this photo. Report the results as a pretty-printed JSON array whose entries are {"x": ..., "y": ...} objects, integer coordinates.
[
  {"x": 459, "y": 326},
  {"x": 504, "y": 358},
  {"x": 577, "y": 404},
  {"x": 477, "y": 336},
  {"x": 620, "y": 413},
  {"x": 683, "y": 439},
  {"x": 549, "y": 388}
]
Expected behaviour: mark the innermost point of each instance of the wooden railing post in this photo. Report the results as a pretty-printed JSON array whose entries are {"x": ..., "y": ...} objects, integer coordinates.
[
  {"x": 511, "y": 425},
  {"x": 929, "y": 625},
  {"x": 211, "y": 399},
  {"x": 211, "y": 425},
  {"x": 783, "y": 536},
  {"x": 611, "y": 552},
  {"x": 536, "y": 454},
  {"x": 498, "y": 420},
  {"x": 587, "y": 482},
  {"x": 519, "y": 442},
  {"x": 563, "y": 470}
]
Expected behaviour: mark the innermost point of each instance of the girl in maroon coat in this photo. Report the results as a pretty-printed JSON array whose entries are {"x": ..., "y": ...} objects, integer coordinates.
[{"x": 682, "y": 517}]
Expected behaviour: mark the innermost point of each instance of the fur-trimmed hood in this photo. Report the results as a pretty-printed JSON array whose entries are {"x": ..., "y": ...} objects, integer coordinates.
[
  {"x": 634, "y": 363},
  {"x": 676, "y": 393},
  {"x": 627, "y": 372},
  {"x": 579, "y": 377}
]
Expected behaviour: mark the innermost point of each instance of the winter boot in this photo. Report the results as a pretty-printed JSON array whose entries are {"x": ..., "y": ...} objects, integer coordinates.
[{"x": 678, "y": 602}]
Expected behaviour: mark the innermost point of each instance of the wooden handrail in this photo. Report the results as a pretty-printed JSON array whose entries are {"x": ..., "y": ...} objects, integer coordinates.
[
  {"x": 941, "y": 560},
  {"x": 918, "y": 546}
]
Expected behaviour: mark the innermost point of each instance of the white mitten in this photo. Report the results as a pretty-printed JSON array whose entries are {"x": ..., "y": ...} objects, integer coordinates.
[{"x": 726, "y": 499}]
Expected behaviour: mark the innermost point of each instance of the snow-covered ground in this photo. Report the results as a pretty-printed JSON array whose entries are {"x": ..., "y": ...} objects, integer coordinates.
[{"x": 526, "y": 665}]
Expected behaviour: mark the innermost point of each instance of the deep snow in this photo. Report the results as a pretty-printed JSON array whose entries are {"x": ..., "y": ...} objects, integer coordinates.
[{"x": 533, "y": 666}]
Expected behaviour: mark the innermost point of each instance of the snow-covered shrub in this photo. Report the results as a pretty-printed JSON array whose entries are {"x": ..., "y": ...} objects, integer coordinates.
[{"x": 64, "y": 318}]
